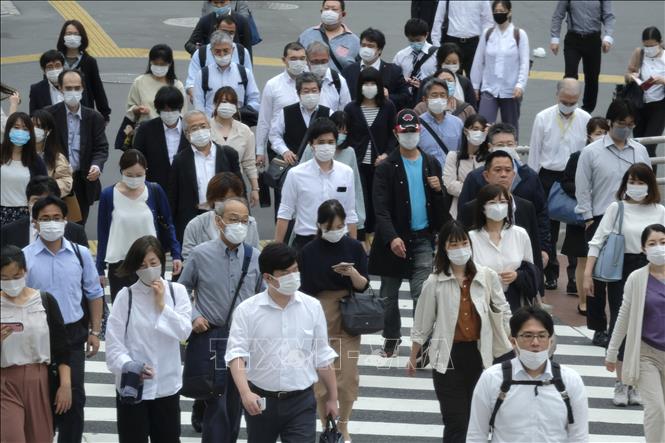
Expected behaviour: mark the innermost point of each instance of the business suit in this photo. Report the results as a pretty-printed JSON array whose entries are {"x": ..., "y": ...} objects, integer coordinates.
[
  {"x": 94, "y": 150},
  {"x": 425, "y": 10},
  {"x": 151, "y": 141},
  {"x": 206, "y": 26},
  {"x": 393, "y": 80},
  {"x": 183, "y": 187},
  {"x": 17, "y": 233},
  {"x": 40, "y": 96},
  {"x": 94, "y": 95}
]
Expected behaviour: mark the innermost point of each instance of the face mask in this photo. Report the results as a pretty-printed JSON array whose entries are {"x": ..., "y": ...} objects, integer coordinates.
[
  {"x": 222, "y": 10},
  {"x": 367, "y": 54},
  {"x": 72, "y": 98},
  {"x": 532, "y": 360},
  {"x": 72, "y": 41},
  {"x": 133, "y": 182},
  {"x": 621, "y": 133},
  {"x": 324, "y": 152},
  {"x": 459, "y": 256},
  {"x": 236, "y": 232},
  {"x": 651, "y": 51},
  {"x": 19, "y": 137},
  {"x": 500, "y": 17},
  {"x": 53, "y": 75},
  {"x": 341, "y": 138},
  {"x": 333, "y": 236},
  {"x": 226, "y": 110},
  {"x": 476, "y": 138},
  {"x": 329, "y": 17},
  {"x": 437, "y": 105},
  {"x": 52, "y": 230},
  {"x": 288, "y": 284},
  {"x": 597, "y": 137},
  {"x": 451, "y": 88},
  {"x": 296, "y": 67},
  {"x": 496, "y": 211},
  {"x": 369, "y": 91},
  {"x": 637, "y": 192},
  {"x": 453, "y": 68},
  {"x": 565, "y": 109},
  {"x": 13, "y": 287},
  {"x": 310, "y": 101},
  {"x": 200, "y": 138},
  {"x": 319, "y": 70},
  {"x": 409, "y": 140},
  {"x": 149, "y": 274},
  {"x": 170, "y": 117},
  {"x": 159, "y": 71},
  {"x": 40, "y": 135},
  {"x": 224, "y": 60},
  {"x": 416, "y": 46},
  {"x": 656, "y": 255}
]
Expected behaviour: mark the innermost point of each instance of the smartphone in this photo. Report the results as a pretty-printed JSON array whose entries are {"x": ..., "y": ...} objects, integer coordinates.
[
  {"x": 342, "y": 265},
  {"x": 14, "y": 326},
  {"x": 262, "y": 403}
]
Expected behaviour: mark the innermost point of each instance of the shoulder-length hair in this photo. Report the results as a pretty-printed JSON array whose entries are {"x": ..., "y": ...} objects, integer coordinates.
[
  {"x": 327, "y": 212},
  {"x": 642, "y": 172},
  {"x": 28, "y": 151},
  {"x": 230, "y": 95},
  {"x": 165, "y": 53},
  {"x": 487, "y": 193},
  {"x": 370, "y": 75},
  {"x": 136, "y": 254},
  {"x": 483, "y": 149},
  {"x": 452, "y": 231},
  {"x": 52, "y": 146},
  {"x": 79, "y": 27}
]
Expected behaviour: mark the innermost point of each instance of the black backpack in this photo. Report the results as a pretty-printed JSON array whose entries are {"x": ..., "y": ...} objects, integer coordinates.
[{"x": 248, "y": 115}]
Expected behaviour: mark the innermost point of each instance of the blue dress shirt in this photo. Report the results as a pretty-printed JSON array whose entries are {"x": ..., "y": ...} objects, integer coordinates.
[{"x": 449, "y": 130}]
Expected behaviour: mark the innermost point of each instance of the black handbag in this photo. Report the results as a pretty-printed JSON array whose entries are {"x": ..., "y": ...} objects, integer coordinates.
[
  {"x": 630, "y": 92},
  {"x": 362, "y": 313},
  {"x": 330, "y": 434},
  {"x": 275, "y": 174}
]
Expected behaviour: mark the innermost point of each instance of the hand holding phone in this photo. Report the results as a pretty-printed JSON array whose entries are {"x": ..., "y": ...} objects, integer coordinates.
[
  {"x": 12, "y": 326},
  {"x": 262, "y": 403}
]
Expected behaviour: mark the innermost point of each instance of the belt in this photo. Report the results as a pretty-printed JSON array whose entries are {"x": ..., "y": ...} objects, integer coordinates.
[
  {"x": 591, "y": 34},
  {"x": 279, "y": 395},
  {"x": 460, "y": 39}
]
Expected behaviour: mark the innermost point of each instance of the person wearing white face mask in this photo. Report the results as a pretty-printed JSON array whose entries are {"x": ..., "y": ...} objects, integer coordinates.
[
  {"x": 639, "y": 327},
  {"x": 329, "y": 266},
  {"x": 47, "y": 144},
  {"x": 334, "y": 89},
  {"x": 462, "y": 315},
  {"x": 639, "y": 202},
  {"x": 128, "y": 210},
  {"x": 295, "y": 325},
  {"x": 417, "y": 60},
  {"x": 544, "y": 400},
  {"x": 45, "y": 92},
  {"x": 148, "y": 321}
]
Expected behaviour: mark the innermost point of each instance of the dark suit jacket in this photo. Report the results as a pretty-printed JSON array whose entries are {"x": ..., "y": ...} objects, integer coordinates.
[
  {"x": 94, "y": 146},
  {"x": 151, "y": 141},
  {"x": 382, "y": 130},
  {"x": 206, "y": 26},
  {"x": 183, "y": 187},
  {"x": 94, "y": 95},
  {"x": 425, "y": 10},
  {"x": 17, "y": 232},
  {"x": 40, "y": 96},
  {"x": 393, "y": 79}
]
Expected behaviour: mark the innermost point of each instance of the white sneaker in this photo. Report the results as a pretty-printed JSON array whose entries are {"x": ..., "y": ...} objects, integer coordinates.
[
  {"x": 620, "y": 394},
  {"x": 634, "y": 397}
]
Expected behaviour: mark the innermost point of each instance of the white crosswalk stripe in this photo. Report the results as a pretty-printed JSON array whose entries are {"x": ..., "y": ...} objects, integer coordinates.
[{"x": 393, "y": 407}]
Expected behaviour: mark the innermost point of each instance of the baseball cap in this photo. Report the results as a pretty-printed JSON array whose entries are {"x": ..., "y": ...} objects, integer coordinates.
[{"x": 407, "y": 121}]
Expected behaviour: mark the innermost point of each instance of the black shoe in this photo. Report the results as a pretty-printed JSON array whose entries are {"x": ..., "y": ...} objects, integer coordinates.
[
  {"x": 582, "y": 312},
  {"x": 389, "y": 346},
  {"x": 198, "y": 410},
  {"x": 571, "y": 287},
  {"x": 600, "y": 338},
  {"x": 551, "y": 284}
]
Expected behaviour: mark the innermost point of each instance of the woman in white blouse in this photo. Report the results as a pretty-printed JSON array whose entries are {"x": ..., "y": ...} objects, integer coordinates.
[
  {"x": 501, "y": 67},
  {"x": 228, "y": 130},
  {"x": 498, "y": 243},
  {"x": 147, "y": 322},
  {"x": 470, "y": 156}
]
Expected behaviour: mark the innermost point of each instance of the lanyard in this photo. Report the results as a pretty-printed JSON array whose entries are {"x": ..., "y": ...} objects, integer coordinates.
[{"x": 562, "y": 127}]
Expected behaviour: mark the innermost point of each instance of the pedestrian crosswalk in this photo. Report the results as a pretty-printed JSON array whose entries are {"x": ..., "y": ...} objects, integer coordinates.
[{"x": 393, "y": 407}]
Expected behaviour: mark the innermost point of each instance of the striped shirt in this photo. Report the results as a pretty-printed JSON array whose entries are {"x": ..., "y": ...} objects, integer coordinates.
[{"x": 370, "y": 115}]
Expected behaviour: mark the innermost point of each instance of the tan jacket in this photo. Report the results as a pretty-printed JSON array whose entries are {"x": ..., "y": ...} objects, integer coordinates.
[{"x": 62, "y": 174}]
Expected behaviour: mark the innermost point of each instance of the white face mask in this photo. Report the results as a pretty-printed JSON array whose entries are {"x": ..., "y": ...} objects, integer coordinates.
[
  {"x": 170, "y": 118},
  {"x": 200, "y": 138},
  {"x": 409, "y": 140},
  {"x": 226, "y": 110},
  {"x": 437, "y": 105},
  {"x": 288, "y": 284},
  {"x": 52, "y": 230},
  {"x": 637, "y": 192},
  {"x": 159, "y": 71},
  {"x": 72, "y": 41},
  {"x": 319, "y": 70},
  {"x": 72, "y": 98},
  {"x": 656, "y": 254},
  {"x": 453, "y": 68},
  {"x": 459, "y": 256},
  {"x": 296, "y": 67},
  {"x": 496, "y": 211},
  {"x": 133, "y": 182},
  {"x": 333, "y": 236},
  {"x": 224, "y": 60},
  {"x": 40, "y": 135},
  {"x": 324, "y": 152},
  {"x": 12, "y": 287},
  {"x": 370, "y": 91},
  {"x": 565, "y": 109},
  {"x": 532, "y": 360},
  {"x": 236, "y": 232},
  {"x": 329, "y": 17},
  {"x": 53, "y": 75},
  {"x": 149, "y": 274},
  {"x": 367, "y": 54},
  {"x": 476, "y": 138},
  {"x": 651, "y": 51},
  {"x": 310, "y": 101}
]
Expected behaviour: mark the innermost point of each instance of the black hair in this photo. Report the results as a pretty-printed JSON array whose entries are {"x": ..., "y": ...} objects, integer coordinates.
[
  {"x": 621, "y": 109},
  {"x": 226, "y": 19},
  {"x": 501, "y": 128},
  {"x": 526, "y": 313},
  {"x": 327, "y": 212},
  {"x": 276, "y": 257},
  {"x": 29, "y": 155},
  {"x": 499, "y": 153},
  {"x": 340, "y": 118},
  {"x": 46, "y": 201},
  {"x": 375, "y": 36},
  {"x": 656, "y": 227},
  {"x": 52, "y": 146},
  {"x": 52, "y": 55},
  {"x": 370, "y": 75},
  {"x": 64, "y": 72},
  {"x": 341, "y": 4},
  {"x": 452, "y": 231},
  {"x": 136, "y": 254},
  {"x": 644, "y": 173},
  {"x": 506, "y": 4},
  {"x": 483, "y": 149},
  {"x": 165, "y": 53},
  {"x": 445, "y": 50},
  {"x": 220, "y": 185},
  {"x": 320, "y": 126},
  {"x": 7, "y": 90},
  {"x": 415, "y": 27},
  {"x": 12, "y": 254},
  {"x": 292, "y": 46},
  {"x": 595, "y": 123},
  {"x": 487, "y": 193},
  {"x": 41, "y": 185},
  {"x": 440, "y": 71},
  {"x": 132, "y": 157},
  {"x": 230, "y": 95},
  {"x": 79, "y": 27},
  {"x": 169, "y": 97},
  {"x": 652, "y": 33}
]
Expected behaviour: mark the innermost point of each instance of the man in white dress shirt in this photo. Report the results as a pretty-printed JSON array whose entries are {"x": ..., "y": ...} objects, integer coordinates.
[
  {"x": 418, "y": 60},
  {"x": 334, "y": 89},
  {"x": 558, "y": 131},
  {"x": 277, "y": 349},
  {"x": 533, "y": 408}
]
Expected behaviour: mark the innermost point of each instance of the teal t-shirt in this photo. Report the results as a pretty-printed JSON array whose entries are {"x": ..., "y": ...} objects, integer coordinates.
[{"x": 414, "y": 177}]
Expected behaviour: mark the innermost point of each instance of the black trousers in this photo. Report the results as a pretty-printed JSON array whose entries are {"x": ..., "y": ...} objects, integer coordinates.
[
  {"x": 650, "y": 123},
  {"x": 293, "y": 420},
  {"x": 547, "y": 178},
  {"x": 454, "y": 389},
  {"x": 70, "y": 424},
  {"x": 587, "y": 48},
  {"x": 117, "y": 283},
  {"x": 157, "y": 419},
  {"x": 468, "y": 47}
]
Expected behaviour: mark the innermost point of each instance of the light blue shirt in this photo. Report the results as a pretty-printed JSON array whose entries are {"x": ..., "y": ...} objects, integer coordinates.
[
  {"x": 195, "y": 63},
  {"x": 345, "y": 46},
  {"x": 60, "y": 274},
  {"x": 229, "y": 76},
  {"x": 74, "y": 137},
  {"x": 449, "y": 131},
  {"x": 414, "y": 178}
]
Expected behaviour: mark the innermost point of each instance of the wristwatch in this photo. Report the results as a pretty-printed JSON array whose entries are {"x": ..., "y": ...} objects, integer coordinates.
[{"x": 96, "y": 333}]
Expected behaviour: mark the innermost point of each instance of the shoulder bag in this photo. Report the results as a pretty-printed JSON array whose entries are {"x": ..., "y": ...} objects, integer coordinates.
[
  {"x": 561, "y": 206},
  {"x": 275, "y": 174},
  {"x": 362, "y": 313},
  {"x": 609, "y": 265}
]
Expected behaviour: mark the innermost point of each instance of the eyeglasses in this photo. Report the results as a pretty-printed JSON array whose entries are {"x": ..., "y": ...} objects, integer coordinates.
[
  {"x": 528, "y": 337},
  {"x": 624, "y": 125}
]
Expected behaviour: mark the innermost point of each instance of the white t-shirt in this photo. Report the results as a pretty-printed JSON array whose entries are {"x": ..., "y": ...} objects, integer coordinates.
[{"x": 14, "y": 178}]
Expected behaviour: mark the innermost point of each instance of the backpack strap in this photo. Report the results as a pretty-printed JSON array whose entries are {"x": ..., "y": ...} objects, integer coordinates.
[
  {"x": 84, "y": 303},
  {"x": 436, "y": 137},
  {"x": 488, "y": 33},
  {"x": 244, "y": 80},
  {"x": 240, "y": 49},
  {"x": 507, "y": 371},
  {"x": 205, "y": 76},
  {"x": 333, "y": 56},
  {"x": 336, "y": 80},
  {"x": 557, "y": 381},
  {"x": 419, "y": 64},
  {"x": 516, "y": 34},
  {"x": 245, "y": 267},
  {"x": 203, "y": 55}
]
